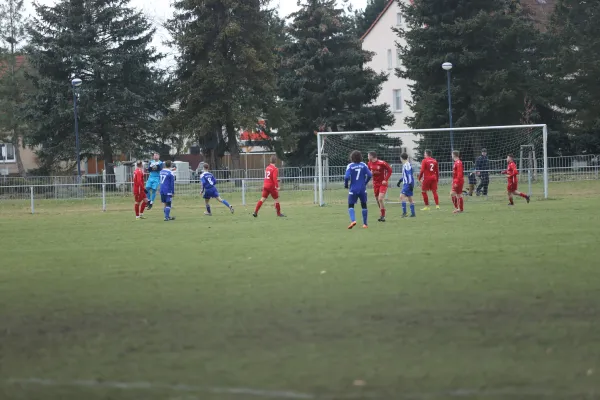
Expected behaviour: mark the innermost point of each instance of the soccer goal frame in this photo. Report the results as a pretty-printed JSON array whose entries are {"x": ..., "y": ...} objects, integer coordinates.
[{"x": 322, "y": 138}]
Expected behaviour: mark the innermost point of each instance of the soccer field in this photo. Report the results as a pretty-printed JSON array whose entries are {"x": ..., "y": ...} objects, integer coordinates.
[{"x": 496, "y": 303}]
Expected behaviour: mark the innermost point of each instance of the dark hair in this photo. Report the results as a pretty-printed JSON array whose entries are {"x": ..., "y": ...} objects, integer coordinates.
[
  {"x": 428, "y": 153},
  {"x": 139, "y": 163},
  {"x": 356, "y": 156},
  {"x": 404, "y": 156},
  {"x": 205, "y": 166},
  {"x": 511, "y": 156},
  {"x": 168, "y": 163},
  {"x": 273, "y": 159},
  {"x": 373, "y": 154},
  {"x": 484, "y": 150},
  {"x": 456, "y": 153}
]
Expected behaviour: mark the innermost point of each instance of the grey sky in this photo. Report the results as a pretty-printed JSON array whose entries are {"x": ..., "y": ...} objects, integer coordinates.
[{"x": 160, "y": 10}]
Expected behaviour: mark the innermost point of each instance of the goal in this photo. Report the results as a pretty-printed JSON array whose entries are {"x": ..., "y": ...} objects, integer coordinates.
[{"x": 527, "y": 143}]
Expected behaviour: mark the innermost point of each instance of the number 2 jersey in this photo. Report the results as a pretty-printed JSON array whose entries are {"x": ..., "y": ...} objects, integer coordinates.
[
  {"x": 271, "y": 177},
  {"x": 458, "y": 172},
  {"x": 429, "y": 170}
]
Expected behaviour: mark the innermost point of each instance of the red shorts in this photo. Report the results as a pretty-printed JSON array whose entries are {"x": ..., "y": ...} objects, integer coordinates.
[
  {"x": 270, "y": 191},
  {"x": 457, "y": 187},
  {"x": 429, "y": 185},
  {"x": 140, "y": 197},
  {"x": 512, "y": 187},
  {"x": 379, "y": 189}
]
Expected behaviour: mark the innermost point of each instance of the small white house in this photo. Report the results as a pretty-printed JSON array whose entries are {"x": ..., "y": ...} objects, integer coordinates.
[{"x": 381, "y": 40}]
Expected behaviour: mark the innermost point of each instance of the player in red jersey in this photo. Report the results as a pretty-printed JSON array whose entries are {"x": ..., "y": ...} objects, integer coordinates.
[
  {"x": 382, "y": 172},
  {"x": 513, "y": 181},
  {"x": 139, "y": 191},
  {"x": 458, "y": 181},
  {"x": 270, "y": 187},
  {"x": 429, "y": 177}
]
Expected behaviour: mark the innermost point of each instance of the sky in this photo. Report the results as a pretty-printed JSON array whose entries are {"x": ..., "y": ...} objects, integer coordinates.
[{"x": 159, "y": 11}]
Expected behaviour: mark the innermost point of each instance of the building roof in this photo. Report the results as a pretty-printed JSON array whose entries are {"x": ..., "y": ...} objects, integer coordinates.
[
  {"x": 20, "y": 61},
  {"x": 540, "y": 9}
]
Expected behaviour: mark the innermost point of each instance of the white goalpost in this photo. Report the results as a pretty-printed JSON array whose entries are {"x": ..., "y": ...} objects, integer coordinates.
[{"x": 527, "y": 143}]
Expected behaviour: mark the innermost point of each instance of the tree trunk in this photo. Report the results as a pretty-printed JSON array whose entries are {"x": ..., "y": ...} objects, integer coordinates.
[
  {"x": 232, "y": 144},
  {"x": 107, "y": 154},
  {"x": 16, "y": 142}
]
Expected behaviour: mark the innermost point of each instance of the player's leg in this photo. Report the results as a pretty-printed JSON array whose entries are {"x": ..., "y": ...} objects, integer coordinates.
[
  {"x": 434, "y": 187},
  {"x": 403, "y": 201},
  {"x": 412, "y": 206},
  {"x": 521, "y": 194},
  {"x": 225, "y": 203},
  {"x": 265, "y": 195},
  {"x": 461, "y": 202},
  {"x": 352, "y": 198},
  {"x": 454, "y": 197},
  {"x": 136, "y": 208},
  {"x": 143, "y": 205},
  {"x": 381, "y": 203},
  {"x": 168, "y": 209},
  {"x": 511, "y": 201},
  {"x": 207, "y": 205},
  {"x": 365, "y": 211},
  {"x": 424, "y": 188},
  {"x": 275, "y": 196}
]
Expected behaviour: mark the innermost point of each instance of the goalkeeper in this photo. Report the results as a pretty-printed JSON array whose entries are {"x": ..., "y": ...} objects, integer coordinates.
[{"x": 153, "y": 181}]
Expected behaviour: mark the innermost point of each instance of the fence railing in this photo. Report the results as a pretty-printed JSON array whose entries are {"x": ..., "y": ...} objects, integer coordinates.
[{"x": 302, "y": 180}]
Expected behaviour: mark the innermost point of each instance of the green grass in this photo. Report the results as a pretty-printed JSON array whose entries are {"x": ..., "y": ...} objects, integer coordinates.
[{"x": 497, "y": 303}]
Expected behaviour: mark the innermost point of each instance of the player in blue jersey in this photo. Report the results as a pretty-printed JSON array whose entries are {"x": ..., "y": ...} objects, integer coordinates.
[
  {"x": 356, "y": 178},
  {"x": 408, "y": 185},
  {"x": 209, "y": 190},
  {"x": 167, "y": 189},
  {"x": 154, "y": 168}
]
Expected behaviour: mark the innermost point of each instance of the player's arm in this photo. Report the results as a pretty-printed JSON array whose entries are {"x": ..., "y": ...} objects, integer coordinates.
[
  {"x": 368, "y": 173},
  {"x": 172, "y": 184},
  {"x": 347, "y": 177},
  {"x": 387, "y": 174},
  {"x": 275, "y": 178}
]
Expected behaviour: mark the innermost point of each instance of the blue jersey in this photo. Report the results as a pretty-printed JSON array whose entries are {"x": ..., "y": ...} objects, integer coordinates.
[
  {"x": 407, "y": 174},
  {"x": 167, "y": 182},
  {"x": 154, "y": 168},
  {"x": 357, "y": 175},
  {"x": 208, "y": 180}
]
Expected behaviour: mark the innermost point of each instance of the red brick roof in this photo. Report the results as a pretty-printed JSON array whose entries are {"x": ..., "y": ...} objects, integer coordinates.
[{"x": 20, "y": 61}]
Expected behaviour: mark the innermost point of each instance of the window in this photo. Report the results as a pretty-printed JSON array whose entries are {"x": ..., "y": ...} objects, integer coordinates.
[
  {"x": 397, "y": 102},
  {"x": 7, "y": 152},
  {"x": 390, "y": 61},
  {"x": 398, "y": 19},
  {"x": 398, "y": 61}
]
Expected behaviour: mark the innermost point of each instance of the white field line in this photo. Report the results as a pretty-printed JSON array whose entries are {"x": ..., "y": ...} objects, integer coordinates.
[{"x": 286, "y": 394}]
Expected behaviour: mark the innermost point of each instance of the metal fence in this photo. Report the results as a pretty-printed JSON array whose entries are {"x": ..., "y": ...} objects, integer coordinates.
[{"x": 244, "y": 183}]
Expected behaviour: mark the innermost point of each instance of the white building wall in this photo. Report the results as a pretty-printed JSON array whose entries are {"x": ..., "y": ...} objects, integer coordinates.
[{"x": 381, "y": 40}]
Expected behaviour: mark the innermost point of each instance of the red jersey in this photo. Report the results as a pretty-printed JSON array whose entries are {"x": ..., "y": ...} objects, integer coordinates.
[
  {"x": 271, "y": 176},
  {"x": 429, "y": 170},
  {"x": 512, "y": 173},
  {"x": 381, "y": 171},
  {"x": 138, "y": 182},
  {"x": 458, "y": 173}
]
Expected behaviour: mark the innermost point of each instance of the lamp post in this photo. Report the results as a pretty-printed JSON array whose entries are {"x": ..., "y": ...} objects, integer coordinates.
[
  {"x": 447, "y": 66},
  {"x": 76, "y": 83}
]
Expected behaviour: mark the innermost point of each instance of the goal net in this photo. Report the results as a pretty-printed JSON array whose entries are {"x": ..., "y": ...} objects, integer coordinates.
[{"x": 527, "y": 143}]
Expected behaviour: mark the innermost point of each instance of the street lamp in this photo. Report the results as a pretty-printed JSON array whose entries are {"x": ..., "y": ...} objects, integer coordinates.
[
  {"x": 76, "y": 83},
  {"x": 447, "y": 66}
]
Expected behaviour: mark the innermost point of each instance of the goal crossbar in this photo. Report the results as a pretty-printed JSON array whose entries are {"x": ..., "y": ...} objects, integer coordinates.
[{"x": 321, "y": 136}]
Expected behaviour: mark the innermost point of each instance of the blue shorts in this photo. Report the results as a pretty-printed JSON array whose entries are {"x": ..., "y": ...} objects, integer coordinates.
[
  {"x": 407, "y": 190},
  {"x": 165, "y": 198},
  {"x": 353, "y": 197},
  {"x": 152, "y": 183},
  {"x": 211, "y": 194}
]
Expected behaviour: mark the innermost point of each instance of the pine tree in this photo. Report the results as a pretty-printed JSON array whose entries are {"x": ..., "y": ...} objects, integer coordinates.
[
  {"x": 366, "y": 17},
  {"x": 492, "y": 45},
  {"x": 226, "y": 71},
  {"x": 13, "y": 83},
  {"x": 106, "y": 43},
  {"x": 574, "y": 65},
  {"x": 325, "y": 78}
]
